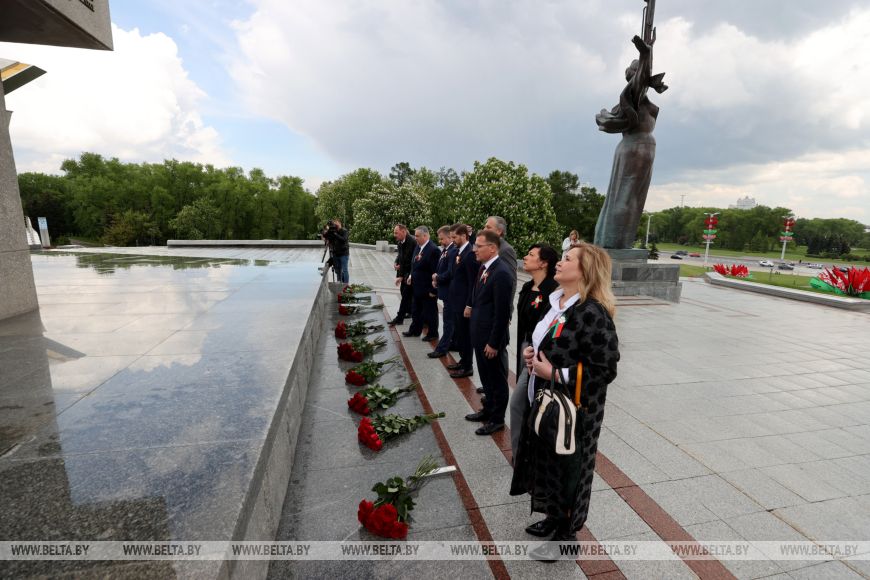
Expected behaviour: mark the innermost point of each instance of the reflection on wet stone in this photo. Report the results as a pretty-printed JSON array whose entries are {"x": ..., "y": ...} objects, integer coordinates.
[{"x": 117, "y": 423}]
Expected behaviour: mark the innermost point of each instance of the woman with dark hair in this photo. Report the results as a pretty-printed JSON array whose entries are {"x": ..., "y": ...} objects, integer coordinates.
[
  {"x": 574, "y": 350},
  {"x": 533, "y": 302}
]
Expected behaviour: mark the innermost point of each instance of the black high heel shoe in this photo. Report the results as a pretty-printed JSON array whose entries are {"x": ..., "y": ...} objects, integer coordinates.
[
  {"x": 551, "y": 551},
  {"x": 544, "y": 527}
]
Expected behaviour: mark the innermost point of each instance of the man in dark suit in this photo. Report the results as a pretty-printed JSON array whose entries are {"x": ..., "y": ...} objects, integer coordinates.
[
  {"x": 490, "y": 319},
  {"x": 441, "y": 280},
  {"x": 423, "y": 264},
  {"x": 506, "y": 252},
  {"x": 461, "y": 286},
  {"x": 402, "y": 266}
]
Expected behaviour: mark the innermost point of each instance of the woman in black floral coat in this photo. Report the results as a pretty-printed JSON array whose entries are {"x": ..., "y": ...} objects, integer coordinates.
[{"x": 578, "y": 328}]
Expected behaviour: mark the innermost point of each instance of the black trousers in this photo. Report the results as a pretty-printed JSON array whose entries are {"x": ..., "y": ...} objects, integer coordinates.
[
  {"x": 493, "y": 373},
  {"x": 405, "y": 305},
  {"x": 425, "y": 313},
  {"x": 462, "y": 338}
]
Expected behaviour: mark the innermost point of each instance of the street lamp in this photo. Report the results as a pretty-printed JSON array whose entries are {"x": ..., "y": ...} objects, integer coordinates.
[{"x": 709, "y": 232}]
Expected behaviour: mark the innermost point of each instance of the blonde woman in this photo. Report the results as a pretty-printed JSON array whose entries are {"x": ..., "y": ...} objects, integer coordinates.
[
  {"x": 573, "y": 238},
  {"x": 578, "y": 328}
]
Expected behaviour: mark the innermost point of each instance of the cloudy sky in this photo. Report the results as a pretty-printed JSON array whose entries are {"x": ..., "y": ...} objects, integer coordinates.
[{"x": 768, "y": 98}]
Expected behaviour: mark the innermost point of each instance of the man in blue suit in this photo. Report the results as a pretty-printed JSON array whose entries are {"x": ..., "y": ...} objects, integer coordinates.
[
  {"x": 441, "y": 280},
  {"x": 490, "y": 314},
  {"x": 461, "y": 285},
  {"x": 423, "y": 264}
]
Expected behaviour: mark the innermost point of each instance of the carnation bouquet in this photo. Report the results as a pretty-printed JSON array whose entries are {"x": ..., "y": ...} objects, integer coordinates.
[
  {"x": 355, "y": 288},
  {"x": 344, "y": 298},
  {"x": 348, "y": 309},
  {"x": 377, "y": 397},
  {"x": 374, "y": 432},
  {"x": 368, "y": 372},
  {"x": 389, "y": 515},
  {"x": 359, "y": 348},
  {"x": 360, "y": 328}
]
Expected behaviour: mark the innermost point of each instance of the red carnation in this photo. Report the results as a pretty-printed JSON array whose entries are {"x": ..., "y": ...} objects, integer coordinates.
[
  {"x": 356, "y": 356},
  {"x": 368, "y": 436},
  {"x": 354, "y": 378},
  {"x": 343, "y": 310},
  {"x": 365, "y": 509},
  {"x": 359, "y": 404},
  {"x": 341, "y": 330}
]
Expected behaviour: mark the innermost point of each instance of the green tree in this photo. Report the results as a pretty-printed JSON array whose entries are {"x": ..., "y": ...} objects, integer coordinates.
[
  {"x": 401, "y": 173},
  {"x": 576, "y": 207},
  {"x": 131, "y": 228},
  {"x": 47, "y": 196},
  {"x": 388, "y": 204},
  {"x": 197, "y": 221},
  {"x": 503, "y": 188},
  {"x": 335, "y": 198}
]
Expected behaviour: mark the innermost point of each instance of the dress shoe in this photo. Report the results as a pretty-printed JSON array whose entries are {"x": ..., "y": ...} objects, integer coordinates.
[
  {"x": 479, "y": 417},
  {"x": 479, "y": 390},
  {"x": 396, "y": 321},
  {"x": 409, "y": 333},
  {"x": 436, "y": 354},
  {"x": 454, "y": 367},
  {"x": 461, "y": 374},
  {"x": 543, "y": 528},
  {"x": 429, "y": 337},
  {"x": 483, "y": 399},
  {"x": 489, "y": 428}
]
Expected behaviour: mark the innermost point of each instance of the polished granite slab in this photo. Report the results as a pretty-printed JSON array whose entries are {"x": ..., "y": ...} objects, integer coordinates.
[{"x": 136, "y": 403}]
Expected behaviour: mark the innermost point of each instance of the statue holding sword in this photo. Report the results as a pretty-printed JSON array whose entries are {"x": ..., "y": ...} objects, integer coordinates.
[{"x": 635, "y": 117}]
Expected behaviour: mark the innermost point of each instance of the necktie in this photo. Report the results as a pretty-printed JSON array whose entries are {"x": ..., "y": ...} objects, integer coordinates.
[{"x": 480, "y": 272}]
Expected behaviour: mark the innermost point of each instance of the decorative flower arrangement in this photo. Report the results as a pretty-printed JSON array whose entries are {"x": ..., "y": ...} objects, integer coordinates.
[
  {"x": 374, "y": 432},
  {"x": 377, "y": 397},
  {"x": 359, "y": 348},
  {"x": 735, "y": 270},
  {"x": 343, "y": 330},
  {"x": 348, "y": 309},
  {"x": 390, "y": 514},
  {"x": 854, "y": 282},
  {"x": 367, "y": 372}
]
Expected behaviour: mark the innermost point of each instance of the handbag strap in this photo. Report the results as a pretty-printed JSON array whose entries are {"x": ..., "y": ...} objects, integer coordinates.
[{"x": 578, "y": 385}]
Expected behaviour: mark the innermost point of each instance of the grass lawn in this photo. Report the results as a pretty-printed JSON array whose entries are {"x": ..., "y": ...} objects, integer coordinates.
[
  {"x": 792, "y": 254},
  {"x": 688, "y": 271}
]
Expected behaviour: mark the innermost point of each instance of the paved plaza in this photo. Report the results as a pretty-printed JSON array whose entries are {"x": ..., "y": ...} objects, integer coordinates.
[{"x": 734, "y": 416}]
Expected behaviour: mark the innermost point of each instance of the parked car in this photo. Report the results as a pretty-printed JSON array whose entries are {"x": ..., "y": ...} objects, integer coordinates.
[
  {"x": 784, "y": 267},
  {"x": 676, "y": 257},
  {"x": 694, "y": 255},
  {"x": 681, "y": 253},
  {"x": 766, "y": 263},
  {"x": 815, "y": 266}
]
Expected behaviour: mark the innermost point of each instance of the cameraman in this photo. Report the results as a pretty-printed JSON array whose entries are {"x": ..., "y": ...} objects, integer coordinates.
[{"x": 336, "y": 236}]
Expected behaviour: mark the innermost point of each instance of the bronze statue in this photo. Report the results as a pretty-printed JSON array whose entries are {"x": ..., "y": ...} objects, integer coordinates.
[{"x": 635, "y": 117}]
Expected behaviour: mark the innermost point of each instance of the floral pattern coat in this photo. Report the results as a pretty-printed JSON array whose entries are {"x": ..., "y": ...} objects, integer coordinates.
[{"x": 562, "y": 484}]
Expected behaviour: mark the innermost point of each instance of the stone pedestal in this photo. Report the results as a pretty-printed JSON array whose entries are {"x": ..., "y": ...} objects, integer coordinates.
[
  {"x": 17, "y": 289},
  {"x": 633, "y": 276}
]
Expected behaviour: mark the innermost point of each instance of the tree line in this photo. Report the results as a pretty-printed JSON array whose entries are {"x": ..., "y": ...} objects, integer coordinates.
[
  {"x": 128, "y": 204},
  {"x": 758, "y": 230}
]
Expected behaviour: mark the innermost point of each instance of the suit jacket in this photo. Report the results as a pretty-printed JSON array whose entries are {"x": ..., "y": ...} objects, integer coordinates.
[
  {"x": 423, "y": 264},
  {"x": 491, "y": 307},
  {"x": 404, "y": 256},
  {"x": 446, "y": 263},
  {"x": 509, "y": 255},
  {"x": 464, "y": 272}
]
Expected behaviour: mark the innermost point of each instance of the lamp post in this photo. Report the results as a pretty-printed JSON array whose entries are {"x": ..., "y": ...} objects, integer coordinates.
[
  {"x": 709, "y": 232},
  {"x": 786, "y": 235}
]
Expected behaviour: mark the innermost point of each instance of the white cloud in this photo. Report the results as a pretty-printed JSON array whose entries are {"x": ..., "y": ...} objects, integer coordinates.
[{"x": 136, "y": 103}]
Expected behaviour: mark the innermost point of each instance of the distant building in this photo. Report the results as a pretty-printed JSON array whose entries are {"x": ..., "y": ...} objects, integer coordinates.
[{"x": 744, "y": 203}]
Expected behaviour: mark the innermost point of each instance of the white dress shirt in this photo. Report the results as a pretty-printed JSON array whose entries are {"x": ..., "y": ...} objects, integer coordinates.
[{"x": 543, "y": 326}]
